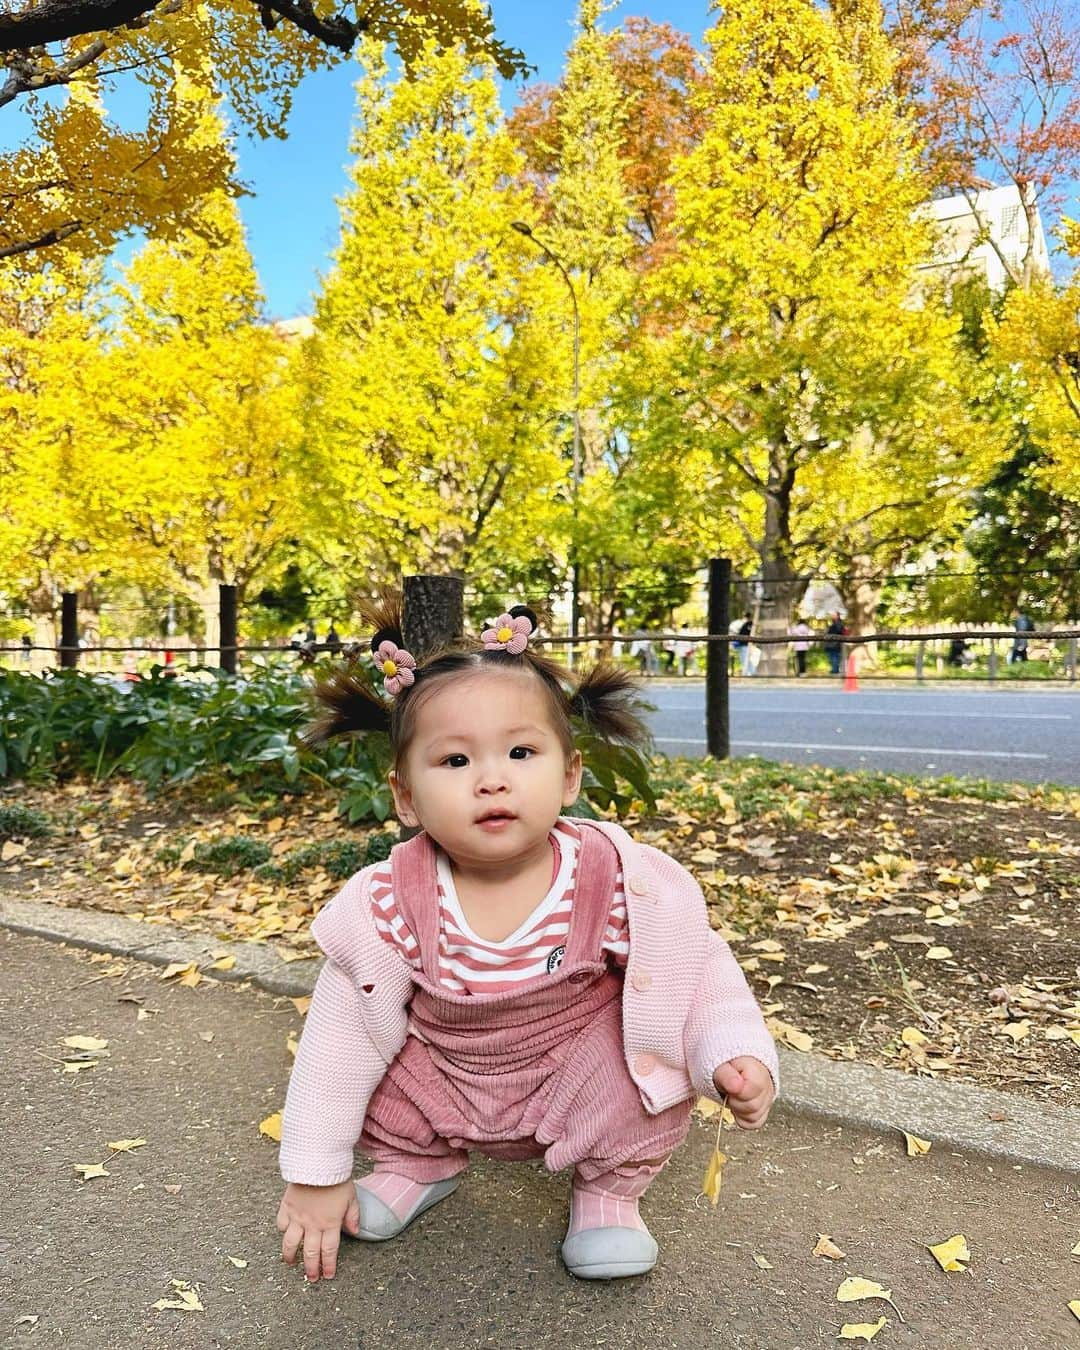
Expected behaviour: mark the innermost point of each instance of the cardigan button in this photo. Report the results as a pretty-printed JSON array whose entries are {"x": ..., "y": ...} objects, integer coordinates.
[
  {"x": 639, "y": 885},
  {"x": 645, "y": 1064},
  {"x": 641, "y": 980}
]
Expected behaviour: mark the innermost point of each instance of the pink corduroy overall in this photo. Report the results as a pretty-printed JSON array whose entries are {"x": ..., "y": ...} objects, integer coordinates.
[{"x": 535, "y": 1071}]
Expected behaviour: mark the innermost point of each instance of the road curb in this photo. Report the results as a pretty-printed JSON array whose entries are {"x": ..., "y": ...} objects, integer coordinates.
[{"x": 961, "y": 1115}]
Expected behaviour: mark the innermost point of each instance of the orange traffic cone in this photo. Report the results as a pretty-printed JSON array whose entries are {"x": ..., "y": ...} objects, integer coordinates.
[{"x": 851, "y": 679}]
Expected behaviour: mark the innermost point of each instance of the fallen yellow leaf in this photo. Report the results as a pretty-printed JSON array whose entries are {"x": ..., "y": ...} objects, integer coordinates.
[
  {"x": 177, "y": 968},
  {"x": 238, "y": 1262},
  {"x": 862, "y": 1331},
  {"x": 77, "y": 1065},
  {"x": 938, "y": 953},
  {"x": 1074, "y": 1308},
  {"x": 224, "y": 963},
  {"x": 124, "y": 867},
  {"x": 1076, "y": 1250},
  {"x": 292, "y": 1044},
  {"x": 916, "y": 1147},
  {"x": 301, "y": 1004},
  {"x": 125, "y": 1145},
  {"x": 1017, "y": 1030},
  {"x": 11, "y": 850},
  {"x": 950, "y": 1253},
  {"x": 191, "y": 977},
  {"x": 855, "y": 1288},
  {"x": 827, "y": 1247},
  {"x": 271, "y": 1126},
  {"x": 912, "y": 1036},
  {"x": 188, "y": 1300},
  {"x": 85, "y": 1042},
  {"x": 762, "y": 1262},
  {"x": 89, "y": 1170}
]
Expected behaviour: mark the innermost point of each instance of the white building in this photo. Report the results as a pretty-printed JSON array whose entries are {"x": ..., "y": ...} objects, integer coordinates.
[{"x": 985, "y": 234}]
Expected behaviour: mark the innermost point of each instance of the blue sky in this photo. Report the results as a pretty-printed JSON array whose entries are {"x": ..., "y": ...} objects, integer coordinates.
[{"x": 292, "y": 220}]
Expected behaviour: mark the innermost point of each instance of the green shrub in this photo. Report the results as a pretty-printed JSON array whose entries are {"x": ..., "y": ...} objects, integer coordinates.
[
  {"x": 226, "y": 857},
  {"x": 222, "y": 732},
  {"x": 23, "y": 822}
]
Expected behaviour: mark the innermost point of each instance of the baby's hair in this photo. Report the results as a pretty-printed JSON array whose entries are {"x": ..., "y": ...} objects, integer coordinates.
[{"x": 604, "y": 700}]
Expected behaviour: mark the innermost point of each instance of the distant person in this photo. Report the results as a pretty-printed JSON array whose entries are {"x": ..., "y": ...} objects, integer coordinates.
[
  {"x": 960, "y": 653},
  {"x": 835, "y": 650},
  {"x": 801, "y": 632},
  {"x": 309, "y": 633},
  {"x": 644, "y": 653},
  {"x": 1023, "y": 625},
  {"x": 297, "y": 640},
  {"x": 744, "y": 630},
  {"x": 27, "y": 643},
  {"x": 333, "y": 641},
  {"x": 683, "y": 652}
]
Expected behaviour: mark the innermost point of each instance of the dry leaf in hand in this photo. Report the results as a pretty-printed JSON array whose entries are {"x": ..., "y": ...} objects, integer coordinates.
[
  {"x": 952, "y": 1253},
  {"x": 916, "y": 1147},
  {"x": 271, "y": 1127},
  {"x": 827, "y": 1247},
  {"x": 714, "y": 1174},
  {"x": 862, "y": 1331}
]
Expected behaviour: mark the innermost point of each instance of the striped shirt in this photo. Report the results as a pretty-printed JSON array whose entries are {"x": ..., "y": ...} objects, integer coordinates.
[{"x": 469, "y": 964}]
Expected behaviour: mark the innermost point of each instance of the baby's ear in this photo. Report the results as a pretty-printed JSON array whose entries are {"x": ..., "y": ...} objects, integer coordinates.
[
  {"x": 402, "y": 799},
  {"x": 572, "y": 782}
]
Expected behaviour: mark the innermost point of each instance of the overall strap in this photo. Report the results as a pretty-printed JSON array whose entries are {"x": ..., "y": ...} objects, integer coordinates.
[
  {"x": 594, "y": 888},
  {"x": 416, "y": 894}
]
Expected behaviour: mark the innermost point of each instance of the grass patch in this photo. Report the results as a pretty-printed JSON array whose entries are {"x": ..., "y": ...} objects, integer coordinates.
[{"x": 338, "y": 858}]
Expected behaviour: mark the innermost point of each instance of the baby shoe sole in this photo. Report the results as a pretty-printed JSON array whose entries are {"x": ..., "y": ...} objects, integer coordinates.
[
  {"x": 372, "y": 1202},
  {"x": 609, "y": 1253}
]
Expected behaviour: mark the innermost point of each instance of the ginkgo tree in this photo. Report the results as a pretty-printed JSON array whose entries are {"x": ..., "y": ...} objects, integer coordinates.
[
  {"x": 437, "y": 376},
  {"x": 84, "y": 178},
  {"x": 803, "y": 359}
]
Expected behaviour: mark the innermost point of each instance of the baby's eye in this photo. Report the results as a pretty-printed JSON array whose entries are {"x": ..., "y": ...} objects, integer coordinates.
[
  {"x": 521, "y": 752},
  {"x": 456, "y": 761}
]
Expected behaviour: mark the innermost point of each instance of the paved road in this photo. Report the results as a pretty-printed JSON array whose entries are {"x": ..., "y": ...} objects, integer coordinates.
[
  {"x": 82, "y": 1263},
  {"x": 1007, "y": 735}
]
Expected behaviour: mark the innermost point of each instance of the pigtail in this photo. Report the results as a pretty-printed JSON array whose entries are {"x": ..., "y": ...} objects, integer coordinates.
[
  {"x": 345, "y": 702},
  {"x": 383, "y": 615},
  {"x": 607, "y": 700}
]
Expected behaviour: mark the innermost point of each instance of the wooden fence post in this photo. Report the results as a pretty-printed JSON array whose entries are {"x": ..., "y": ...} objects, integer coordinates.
[
  {"x": 433, "y": 613},
  {"x": 69, "y": 630},
  {"x": 227, "y": 611},
  {"x": 717, "y": 710}
]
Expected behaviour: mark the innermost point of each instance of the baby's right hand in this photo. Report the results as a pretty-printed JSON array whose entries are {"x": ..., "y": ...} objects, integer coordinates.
[{"x": 311, "y": 1219}]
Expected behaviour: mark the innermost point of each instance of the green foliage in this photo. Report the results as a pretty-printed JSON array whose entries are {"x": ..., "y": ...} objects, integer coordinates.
[
  {"x": 338, "y": 858},
  {"x": 219, "y": 731},
  {"x": 226, "y": 857},
  {"x": 23, "y": 822}
]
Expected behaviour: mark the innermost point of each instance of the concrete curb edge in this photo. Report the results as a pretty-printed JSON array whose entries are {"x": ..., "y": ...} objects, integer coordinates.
[{"x": 962, "y": 1115}]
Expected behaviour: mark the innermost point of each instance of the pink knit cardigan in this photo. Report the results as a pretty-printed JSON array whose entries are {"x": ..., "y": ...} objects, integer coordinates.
[{"x": 686, "y": 1009}]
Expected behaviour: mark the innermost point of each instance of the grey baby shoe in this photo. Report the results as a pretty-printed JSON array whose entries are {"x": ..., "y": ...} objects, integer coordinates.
[
  {"x": 609, "y": 1253},
  {"x": 378, "y": 1222}
]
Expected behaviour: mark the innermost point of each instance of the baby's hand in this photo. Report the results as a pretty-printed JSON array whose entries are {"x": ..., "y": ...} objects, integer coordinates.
[
  {"x": 748, "y": 1085},
  {"x": 311, "y": 1219}
]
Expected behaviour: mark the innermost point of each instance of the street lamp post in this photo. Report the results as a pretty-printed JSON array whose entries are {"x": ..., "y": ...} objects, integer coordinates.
[{"x": 575, "y": 473}]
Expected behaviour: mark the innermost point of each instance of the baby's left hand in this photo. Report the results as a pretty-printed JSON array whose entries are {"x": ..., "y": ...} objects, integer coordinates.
[{"x": 748, "y": 1085}]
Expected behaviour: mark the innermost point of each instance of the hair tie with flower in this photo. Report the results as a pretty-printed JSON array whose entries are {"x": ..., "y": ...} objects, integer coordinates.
[
  {"x": 393, "y": 662},
  {"x": 510, "y": 632}
]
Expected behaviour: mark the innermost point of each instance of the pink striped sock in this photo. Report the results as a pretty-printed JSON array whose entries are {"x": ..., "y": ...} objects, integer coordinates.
[
  {"x": 397, "y": 1193},
  {"x": 602, "y": 1209}
]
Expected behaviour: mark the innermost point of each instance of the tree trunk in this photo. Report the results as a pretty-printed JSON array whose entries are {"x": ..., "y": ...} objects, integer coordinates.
[
  {"x": 862, "y": 600},
  {"x": 780, "y": 583}
]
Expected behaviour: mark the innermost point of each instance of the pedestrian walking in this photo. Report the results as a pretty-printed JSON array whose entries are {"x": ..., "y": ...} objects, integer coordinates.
[
  {"x": 495, "y": 985},
  {"x": 1023, "y": 625},
  {"x": 801, "y": 632},
  {"x": 743, "y": 629},
  {"x": 835, "y": 650},
  {"x": 333, "y": 641},
  {"x": 683, "y": 652}
]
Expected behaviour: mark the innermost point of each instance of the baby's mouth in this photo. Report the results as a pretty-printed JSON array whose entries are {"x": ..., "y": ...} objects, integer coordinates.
[{"x": 490, "y": 816}]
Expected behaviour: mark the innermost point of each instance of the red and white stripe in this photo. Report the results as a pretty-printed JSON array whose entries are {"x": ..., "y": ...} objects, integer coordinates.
[{"x": 469, "y": 964}]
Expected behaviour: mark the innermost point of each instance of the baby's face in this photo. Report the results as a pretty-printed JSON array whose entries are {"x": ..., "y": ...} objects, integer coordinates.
[{"x": 486, "y": 774}]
